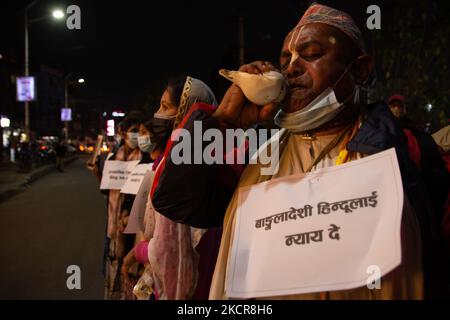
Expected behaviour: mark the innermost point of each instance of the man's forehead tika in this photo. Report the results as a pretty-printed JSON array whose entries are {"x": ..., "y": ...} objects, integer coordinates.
[{"x": 293, "y": 44}]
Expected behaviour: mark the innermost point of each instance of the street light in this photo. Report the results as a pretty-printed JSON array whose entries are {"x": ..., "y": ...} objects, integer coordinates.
[
  {"x": 56, "y": 15},
  {"x": 67, "y": 83}
]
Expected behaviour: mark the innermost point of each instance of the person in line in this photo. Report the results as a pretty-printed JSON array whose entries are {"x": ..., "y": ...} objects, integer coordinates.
[
  {"x": 180, "y": 259},
  {"x": 130, "y": 269},
  {"x": 116, "y": 244}
]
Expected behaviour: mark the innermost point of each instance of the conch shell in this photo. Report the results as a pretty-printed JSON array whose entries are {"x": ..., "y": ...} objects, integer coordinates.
[{"x": 260, "y": 89}]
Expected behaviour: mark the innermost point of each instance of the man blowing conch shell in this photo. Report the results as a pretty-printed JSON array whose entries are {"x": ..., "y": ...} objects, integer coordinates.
[{"x": 323, "y": 56}]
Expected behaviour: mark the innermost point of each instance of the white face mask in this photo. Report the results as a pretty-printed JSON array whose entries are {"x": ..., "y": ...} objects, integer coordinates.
[
  {"x": 321, "y": 110},
  {"x": 145, "y": 144},
  {"x": 132, "y": 140}
]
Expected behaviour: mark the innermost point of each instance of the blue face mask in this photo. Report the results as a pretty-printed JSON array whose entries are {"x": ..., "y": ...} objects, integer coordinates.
[{"x": 144, "y": 143}]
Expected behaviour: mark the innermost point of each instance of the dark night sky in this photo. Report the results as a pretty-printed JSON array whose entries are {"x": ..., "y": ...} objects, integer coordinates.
[{"x": 126, "y": 49}]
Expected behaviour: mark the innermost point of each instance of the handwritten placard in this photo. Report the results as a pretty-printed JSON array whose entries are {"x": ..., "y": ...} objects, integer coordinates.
[
  {"x": 319, "y": 231},
  {"x": 115, "y": 174},
  {"x": 135, "y": 178},
  {"x": 136, "y": 219}
]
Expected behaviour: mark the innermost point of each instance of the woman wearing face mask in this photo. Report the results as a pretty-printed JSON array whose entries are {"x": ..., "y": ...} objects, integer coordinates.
[
  {"x": 150, "y": 144},
  {"x": 152, "y": 149},
  {"x": 152, "y": 139},
  {"x": 176, "y": 264},
  {"x": 116, "y": 240}
]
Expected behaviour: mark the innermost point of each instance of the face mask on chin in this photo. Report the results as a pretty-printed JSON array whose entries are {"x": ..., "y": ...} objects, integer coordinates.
[
  {"x": 145, "y": 143},
  {"x": 132, "y": 140},
  {"x": 321, "y": 110}
]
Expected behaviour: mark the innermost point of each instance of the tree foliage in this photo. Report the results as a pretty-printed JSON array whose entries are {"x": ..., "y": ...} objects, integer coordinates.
[{"x": 412, "y": 58}]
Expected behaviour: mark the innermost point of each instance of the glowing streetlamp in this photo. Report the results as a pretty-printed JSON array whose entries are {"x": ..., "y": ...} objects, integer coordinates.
[{"x": 58, "y": 14}]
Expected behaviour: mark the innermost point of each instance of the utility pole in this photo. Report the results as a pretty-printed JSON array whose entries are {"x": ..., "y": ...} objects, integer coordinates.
[
  {"x": 27, "y": 67},
  {"x": 241, "y": 39},
  {"x": 68, "y": 83},
  {"x": 27, "y": 71},
  {"x": 27, "y": 23},
  {"x": 66, "y": 105}
]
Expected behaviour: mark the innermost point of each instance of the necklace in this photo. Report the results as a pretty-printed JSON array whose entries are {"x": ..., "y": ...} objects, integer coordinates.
[{"x": 332, "y": 144}]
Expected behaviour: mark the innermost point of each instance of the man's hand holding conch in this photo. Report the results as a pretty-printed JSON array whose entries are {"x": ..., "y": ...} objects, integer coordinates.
[{"x": 254, "y": 96}]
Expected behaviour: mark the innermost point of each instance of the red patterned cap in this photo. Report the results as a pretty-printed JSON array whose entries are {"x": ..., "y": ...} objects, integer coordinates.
[{"x": 318, "y": 13}]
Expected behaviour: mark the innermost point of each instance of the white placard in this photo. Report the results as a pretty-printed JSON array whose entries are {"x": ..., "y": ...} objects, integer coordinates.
[
  {"x": 115, "y": 174},
  {"x": 298, "y": 234},
  {"x": 135, "y": 178},
  {"x": 136, "y": 219}
]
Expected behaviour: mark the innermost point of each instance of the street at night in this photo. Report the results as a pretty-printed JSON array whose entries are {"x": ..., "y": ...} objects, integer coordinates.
[{"x": 56, "y": 222}]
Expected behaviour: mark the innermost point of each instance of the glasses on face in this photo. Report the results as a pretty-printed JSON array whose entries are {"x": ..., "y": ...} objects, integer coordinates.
[{"x": 134, "y": 130}]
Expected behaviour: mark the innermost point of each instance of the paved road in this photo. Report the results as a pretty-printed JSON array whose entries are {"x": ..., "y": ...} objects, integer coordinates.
[{"x": 58, "y": 221}]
